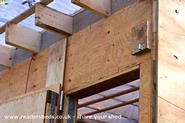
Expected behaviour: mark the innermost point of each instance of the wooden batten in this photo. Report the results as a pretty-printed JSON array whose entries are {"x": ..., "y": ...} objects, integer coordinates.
[
  {"x": 53, "y": 20},
  {"x": 100, "y": 7},
  {"x": 22, "y": 37},
  {"x": 24, "y": 15},
  {"x": 6, "y": 56}
]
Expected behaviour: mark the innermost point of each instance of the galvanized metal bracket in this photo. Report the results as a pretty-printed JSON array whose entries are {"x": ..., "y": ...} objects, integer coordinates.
[{"x": 141, "y": 38}]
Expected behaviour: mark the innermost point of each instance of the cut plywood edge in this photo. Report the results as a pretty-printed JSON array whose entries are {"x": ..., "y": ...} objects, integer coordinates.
[
  {"x": 56, "y": 63},
  {"x": 53, "y": 20},
  {"x": 24, "y": 15},
  {"x": 100, "y": 7},
  {"x": 6, "y": 56},
  {"x": 171, "y": 61},
  {"x": 28, "y": 105},
  {"x": 22, "y": 37}
]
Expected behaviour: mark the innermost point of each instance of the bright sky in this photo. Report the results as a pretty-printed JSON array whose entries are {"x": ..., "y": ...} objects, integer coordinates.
[{"x": 14, "y": 8}]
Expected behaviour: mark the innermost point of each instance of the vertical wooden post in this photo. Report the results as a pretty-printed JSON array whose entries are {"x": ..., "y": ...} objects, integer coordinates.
[{"x": 70, "y": 109}]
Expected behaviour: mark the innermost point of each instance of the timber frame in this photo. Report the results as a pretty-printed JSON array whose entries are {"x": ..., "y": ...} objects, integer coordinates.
[
  {"x": 76, "y": 79},
  {"x": 99, "y": 47}
]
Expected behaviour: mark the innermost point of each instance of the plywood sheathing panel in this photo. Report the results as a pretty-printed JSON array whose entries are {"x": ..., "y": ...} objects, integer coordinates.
[
  {"x": 55, "y": 72},
  {"x": 104, "y": 49},
  {"x": 38, "y": 71},
  {"x": 27, "y": 76},
  {"x": 13, "y": 81},
  {"x": 33, "y": 104},
  {"x": 171, "y": 70},
  {"x": 169, "y": 113}
]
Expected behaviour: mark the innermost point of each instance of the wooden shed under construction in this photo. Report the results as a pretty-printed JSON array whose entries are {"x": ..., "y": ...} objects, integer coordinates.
[{"x": 114, "y": 61}]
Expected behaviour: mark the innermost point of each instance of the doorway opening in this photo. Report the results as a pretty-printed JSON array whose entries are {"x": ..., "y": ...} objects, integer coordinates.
[{"x": 115, "y": 100}]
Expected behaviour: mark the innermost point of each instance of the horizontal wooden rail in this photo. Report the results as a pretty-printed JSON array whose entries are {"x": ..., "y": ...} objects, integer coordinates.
[
  {"x": 24, "y": 15},
  {"x": 112, "y": 107},
  {"x": 109, "y": 97}
]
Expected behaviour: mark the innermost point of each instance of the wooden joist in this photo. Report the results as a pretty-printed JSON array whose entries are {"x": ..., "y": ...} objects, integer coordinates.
[
  {"x": 24, "y": 15},
  {"x": 51, "y": 19},
  {"x": 100, "y": 7},
  {"x": 109, "y": 97},
  {"x": 113, "y": 107},
  {"x": 22, "y": 37},
  {"x": 6, "y": 55}
]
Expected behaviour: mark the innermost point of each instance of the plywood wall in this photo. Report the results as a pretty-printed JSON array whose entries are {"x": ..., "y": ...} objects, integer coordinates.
[
  {"x": 33, "y": 73},
  {"x": 26, "y": 106},
  {"x": 104, "y": 49},
  {"x": 171, "y": 71}
]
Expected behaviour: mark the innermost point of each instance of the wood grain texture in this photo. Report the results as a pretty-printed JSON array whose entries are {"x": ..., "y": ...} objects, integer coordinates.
[
  {"x": 104, "y": 49},
  {"x": 56, "y": 61},
  {"x": 52, "y": 19},
  {"x": 27, "y": 76},
  {"x": 100, "y": 7},
  {"x": 6, "y": 56},
  {"x": 171, "y": 79},
  {"x": 33, "y": 104},
  {"x": 22, "y": 37},
  {"x": 13, "y": 81}
]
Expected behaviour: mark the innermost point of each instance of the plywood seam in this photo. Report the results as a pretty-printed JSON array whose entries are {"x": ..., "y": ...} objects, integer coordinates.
[{"x": 171, "y": 103}]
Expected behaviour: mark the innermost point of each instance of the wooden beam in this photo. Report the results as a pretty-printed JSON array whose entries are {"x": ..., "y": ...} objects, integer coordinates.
[
  {"x": 109, "y": 97},
  {"x": 24, "y": 38},
  {"x": 46, "y": 2},
  {"x": 6, "y": 56},
  {"x": 112, "y": 107},
  {"x": 100, "y": 7},
  {"x": 51, "y": 19},
  {"x": 24, "y": 15}
]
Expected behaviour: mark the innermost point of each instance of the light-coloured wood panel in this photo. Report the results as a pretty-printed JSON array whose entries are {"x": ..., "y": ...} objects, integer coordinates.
[
  {"x": 171, "y": 60},
  {"x": 22, "y": 37},
  {"x": 169, "y": 113},
  {"x": 56, "y": 61},
  {"x": 52, "y": 19},
  {"x": 13, "y": 81},
  {"x": 27, "y": 76},
  {"x": 6, "y": 55},
  {"x": 100, "y": 7},
  {"x": 33, "y": 104}
]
